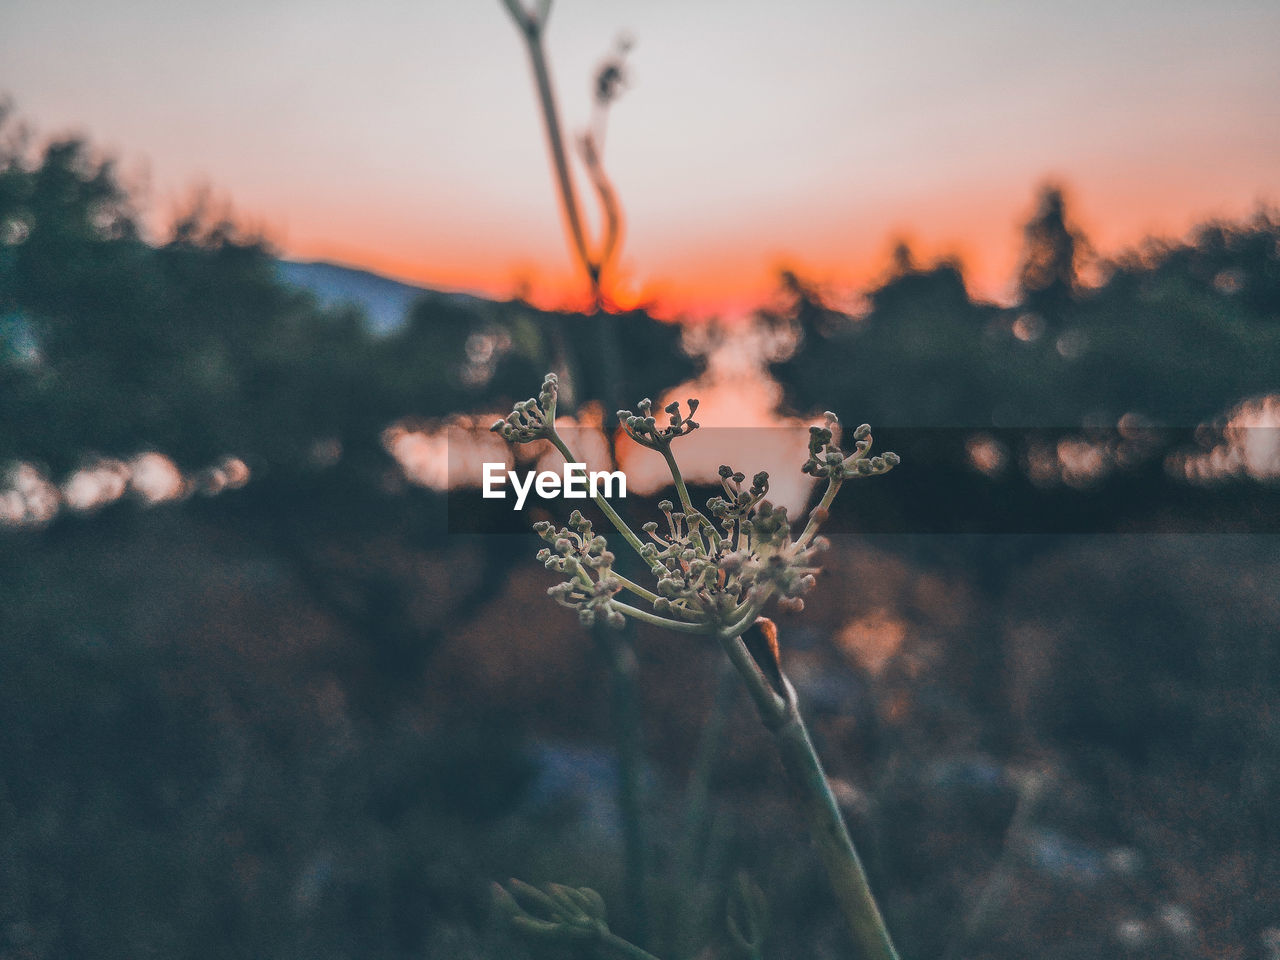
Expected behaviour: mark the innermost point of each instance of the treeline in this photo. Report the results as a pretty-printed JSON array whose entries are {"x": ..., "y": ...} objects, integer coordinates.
[
  {"x": 1173, "y": 332},
  {"x": 286, "y": 721},
  {"x": 111, "y": 343}
]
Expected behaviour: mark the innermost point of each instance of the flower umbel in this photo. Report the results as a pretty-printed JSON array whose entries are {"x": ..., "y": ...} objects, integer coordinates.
[
  {"x": 715, "y": 570},
  {"x": 644, "y": 429},
  {"x": 531, "y": 419},
  {"x": 826, "y": 459},
  {"x": 584, "y": 557}
]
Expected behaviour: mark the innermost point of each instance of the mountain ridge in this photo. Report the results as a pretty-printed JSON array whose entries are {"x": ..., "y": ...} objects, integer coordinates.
[{"x": 385, "y": 301}]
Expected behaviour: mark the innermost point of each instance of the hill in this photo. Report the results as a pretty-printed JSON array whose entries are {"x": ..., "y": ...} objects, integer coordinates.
[{"x": 385, "y": 301}]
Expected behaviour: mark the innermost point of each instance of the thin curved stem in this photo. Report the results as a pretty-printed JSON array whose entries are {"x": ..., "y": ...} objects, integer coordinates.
[
  {"x": 608, "y": 203},
  {"x": 531, "y": 29},
  {"x": 524, "y": 20},
  {"x": 619, "y": 652},
  {"x": 747, "y": 614},
  {"x": 781, "y": 716},
  {"x": 644, "y": 616},
  {"x": 770, "y": 706},
  {"x": 691, "y": 512},
  {"x": 811, "y": 528},
  {"x": 831, "y": 836},
  {"x": 634, "y": 587},
  {"x": 619, "y": 524},
  {"x": 685, "y": 500}
]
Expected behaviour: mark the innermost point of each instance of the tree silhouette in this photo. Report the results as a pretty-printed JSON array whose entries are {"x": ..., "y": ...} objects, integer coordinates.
[{"x": 1048, "y": 274}]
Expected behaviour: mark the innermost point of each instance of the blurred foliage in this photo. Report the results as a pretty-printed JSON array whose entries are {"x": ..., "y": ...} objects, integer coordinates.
[
  {"x": 111, "y": 345},
  {"x": 297, "y": 720},
  {"x": 194, "y": 348},
  {"x": 1175, "y": 332}
]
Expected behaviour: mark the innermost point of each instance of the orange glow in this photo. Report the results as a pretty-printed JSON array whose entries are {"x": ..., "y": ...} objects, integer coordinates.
[
  {"x": 811, "y": 135},
  {"x": 872, "y": 640},
  {"x": 729, "y": 273}
]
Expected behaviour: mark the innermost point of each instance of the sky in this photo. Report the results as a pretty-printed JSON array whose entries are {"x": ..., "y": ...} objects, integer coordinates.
[{"x": 403, "y": 135}]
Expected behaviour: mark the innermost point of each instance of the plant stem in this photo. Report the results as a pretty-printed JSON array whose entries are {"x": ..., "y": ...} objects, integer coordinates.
[
  {"x": 771, "y": 707},
  {"x": 685, "y": 500},
  {"x": 620, "y": 656},
  {"x": 811, "y": 528},
  {"x": 781, "y": 716},
  {"x": 746, "y": 614},
  {"x": 690, "y": 865},
  {"x": 619, "y": 524},
  {"x": 839, "y": 856},
  {"x": 531, "y": 28},
  {"x": 634, "y": 587},
  {"x": 644, "y": 616},
  {"x": 690, "y": 511}
]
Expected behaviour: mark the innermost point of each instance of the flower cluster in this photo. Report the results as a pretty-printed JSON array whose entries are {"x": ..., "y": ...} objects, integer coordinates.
[
  {"x": 714, "y": 571},
  {"x": 826, "y": 459},
  {"x": 644, "y": 429},
  {"x": 715, "y": 576},
  {"x": 584, "y": 558},
  {"x": 532, "y": 419}
]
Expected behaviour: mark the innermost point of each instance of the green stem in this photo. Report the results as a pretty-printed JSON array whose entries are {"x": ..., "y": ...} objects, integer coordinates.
[
  {"x": 770, "y": 706},
  {"x": 690, "y": 866},
  {"x": 644, "y": 616},
  {"x": 997, "y": 885},
  {"x": 681, "y": 489},
  {"x": 811, "y": 528},
  {"x": 844, "y": 867},
  {"x": 531, "y": 28},
  {"x": 781, "y": 716},
  {"x": 690, "y": 511},
  {"x": 619, "y": 524},
  {"x": 580, "y": 572},
  {"x": 621, "y": 658},
  {"x": 634, "y": 587},
  {"x": 746, "y": 614}
]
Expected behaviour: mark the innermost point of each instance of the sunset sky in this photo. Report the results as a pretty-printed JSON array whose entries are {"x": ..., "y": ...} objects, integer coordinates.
[{"x": 404, "y": 136}]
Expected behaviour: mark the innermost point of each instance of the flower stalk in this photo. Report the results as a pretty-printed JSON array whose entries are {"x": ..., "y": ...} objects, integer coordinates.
[
  {"x": 532, "y": 25},
  {"x": 715, "y": 572}
]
